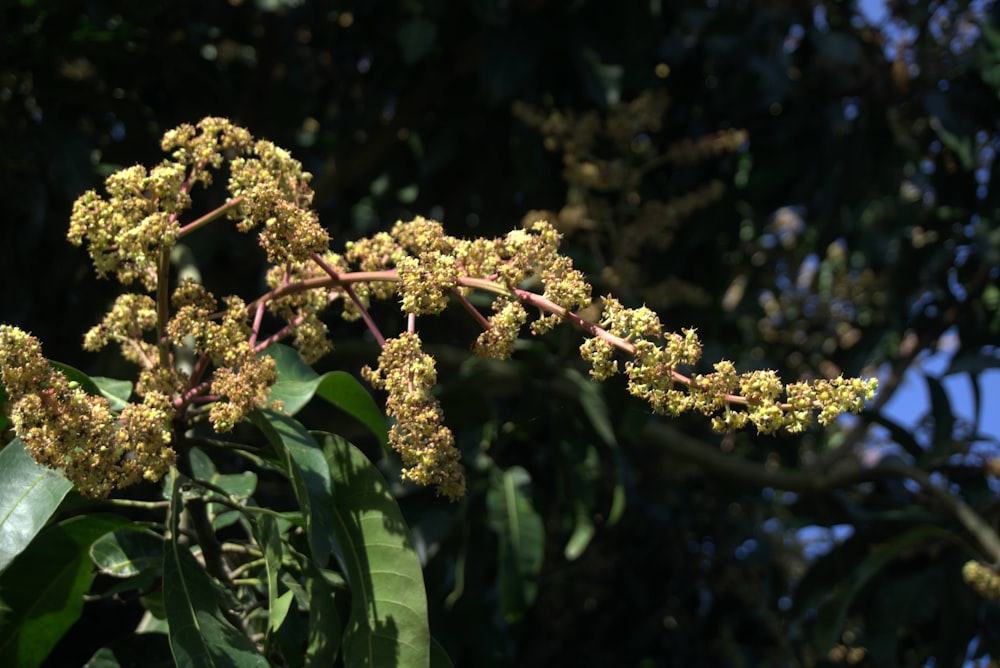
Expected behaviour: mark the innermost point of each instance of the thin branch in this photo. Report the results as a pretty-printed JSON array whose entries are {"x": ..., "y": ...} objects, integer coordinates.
[
  {"x": 353, "y": 295},
  {"x": 214, "y": 214}
]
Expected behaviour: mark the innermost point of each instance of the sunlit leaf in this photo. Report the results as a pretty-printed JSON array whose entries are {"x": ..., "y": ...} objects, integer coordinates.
[
  {"x": 117, "y": 392},
  {"x": 29, "y": 495},
  {"x": 297, "y": 384},
  {"x": 388, "y": 623},
  {"x": 306, "y": 468}
]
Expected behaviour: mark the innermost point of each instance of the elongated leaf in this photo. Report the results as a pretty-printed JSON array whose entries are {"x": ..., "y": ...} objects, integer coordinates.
[
  {"x": 944, "y": 419},
  {"x": 29, "y": 496},
  {"x": 269, "y": 539},
  {"x": 439, "y": 657},
  {"x": 345, "y": 392},
  {"x": 593, "y": 405},
  {"x": 902, "y": 436},
  {"x": 596, "y": 409},
  {"x": 324, "y": 622},
  {"x": 200, "y": 635},
  {"x": 831, "y": 616},
  {"x": 297, "y": 384},
  {"x": 304, "y": 464},
  {"x": 582, "y": 477},
  {"x": 522, "y": 541},
  {"x": 972, "y": 361},
  {"x": 388, "y": 624},
  {"x": 42, "y": 590},
  {"x": 239, "y": 485}
]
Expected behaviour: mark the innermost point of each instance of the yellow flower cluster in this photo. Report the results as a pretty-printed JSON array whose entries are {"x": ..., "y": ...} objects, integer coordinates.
[
  {"x": 62, "y": 426},
  {"x": 241, "y": 379},
  {"x": 131, "y": 233},
  {"x": 426, "y": 446},
  {"x": 731, "y": 399},
  {"x": 983, "y": 579}
]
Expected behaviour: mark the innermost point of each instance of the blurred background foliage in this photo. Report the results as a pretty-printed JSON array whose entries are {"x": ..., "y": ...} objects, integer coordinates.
[{"x": 810, "y": 184}]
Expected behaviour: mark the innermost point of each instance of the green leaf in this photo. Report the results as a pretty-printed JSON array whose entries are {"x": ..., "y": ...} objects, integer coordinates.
[
  {"x": 304, "y": 464},
  {"x": 415, "y": 38},
  {"x": 74, "y": 375},
  {"x": 345, "y": 392},
  {"x": 117, "y": 392},
  {"x": 583, "y": 474},
  {"x": 388, "y": 623},
  {"x": 902, "y": 436},
  {"x": 588, "y": 393},
  {"x": 439, "y": 657},
  {"x": 127, "y": 553},
  {"x": 944, "y": 419},
  {"x": 42, "y": 590},
  {"x": 324, "y": 622},
  {"x": 269, "y": 539},
  {"x": 29, "y": 495},
  {"x": 149, "y": 650},
  {"x": 522, "y": 540},
  {"x": 200, "y": 635},
  {"x": 240, "y": 486},
  {"x": 596, "y": 410},
  {"x": 839, "y": 47},
  {"x": 831, "y": 616},
  {"x": 297, "y": 384}
]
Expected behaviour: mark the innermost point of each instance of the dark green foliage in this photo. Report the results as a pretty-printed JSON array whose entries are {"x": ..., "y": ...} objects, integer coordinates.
[{"x": 856, "y": 231}]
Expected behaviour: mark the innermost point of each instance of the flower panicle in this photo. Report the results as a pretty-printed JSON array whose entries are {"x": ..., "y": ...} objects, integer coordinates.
[{"x": 131, "y": 229}]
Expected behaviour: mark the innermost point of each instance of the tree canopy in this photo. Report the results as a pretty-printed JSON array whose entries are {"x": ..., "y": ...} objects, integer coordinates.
[{"x": 809, "y": 186}]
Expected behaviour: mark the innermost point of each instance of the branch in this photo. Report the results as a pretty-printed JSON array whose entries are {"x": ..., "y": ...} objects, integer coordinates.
[{"x": 818, "y": 479}]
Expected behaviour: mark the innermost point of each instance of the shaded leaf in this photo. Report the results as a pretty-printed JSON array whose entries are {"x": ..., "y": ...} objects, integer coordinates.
[
  {"x": 416, "y": 38},
  {"x": 146, "y": 649},
  {"x": 972, "y": 361},
  {"x": 830, "y": 619},
  {"x": 522, "y": 540},
  {"x": 42, "y": 590},
  {"x": 324, "y": 623},
  {"x": 582, "y": 466},
  {"x": 127, "y": 553},
  {"x": 269, "y": 539},
  {"x": 900, "y": 435},
  {"x": 837, "y": 46},
  {"x": 200, "y": 635},
  {"x": 304, "y": 464},
  {"x": 240, "y": 486},
  {"x": 944, "y": 419},
  {"x": 439, "y": 657}
]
